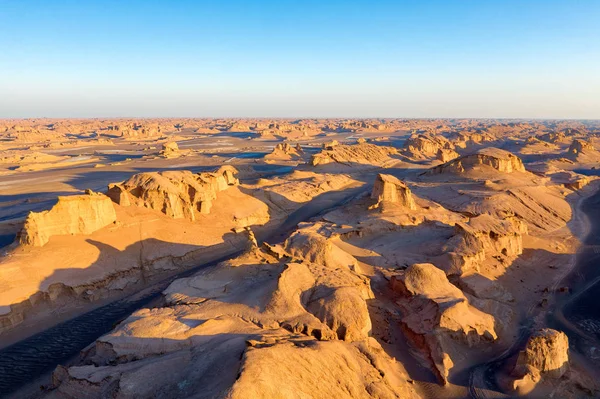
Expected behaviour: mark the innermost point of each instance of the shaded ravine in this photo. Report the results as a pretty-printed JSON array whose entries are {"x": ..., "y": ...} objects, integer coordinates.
[
  {"x": 29, "y": 359},
  {"x": 585, "y": 277}
]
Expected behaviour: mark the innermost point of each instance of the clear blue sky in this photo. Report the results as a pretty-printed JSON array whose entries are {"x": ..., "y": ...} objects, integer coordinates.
[{"x": 538, "y": 59}]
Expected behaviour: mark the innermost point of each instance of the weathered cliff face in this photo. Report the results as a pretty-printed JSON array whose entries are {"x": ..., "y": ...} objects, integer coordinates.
[
  {"x": 365, "y": 153},
  {"x": 546, "y": 356},
  {"x": 179, "y": 194},
  {"x": 426, "y": 146},
  {"x": 502, "y": 161},
  {"x": 77, "y": 214},
  {"x": 482, "y": 237},
  {"x": 436, "y": 314},
  {"x": 388, "y": 189}
]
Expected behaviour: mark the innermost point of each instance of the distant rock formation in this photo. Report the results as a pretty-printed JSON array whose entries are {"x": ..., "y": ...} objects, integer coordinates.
[
  {"x": 571, "y": 180},
  {"x": 500, "y": 160},
  {"x": 546, "y": 355},
  {"x": 77, "y": 214},
  {"x": 170, "y": 149},
  {"x": 426, "y": 146},
  {"x": 437, "y": 313},
  {"x": 579, "y": 146},
  {"x": 446, "y": 155},
  {"x": 285, "y": 152},
  {"x": 388, "y": 188},
  {"x": 367, "y": 154},
  {"x": 178, "y": 194}
]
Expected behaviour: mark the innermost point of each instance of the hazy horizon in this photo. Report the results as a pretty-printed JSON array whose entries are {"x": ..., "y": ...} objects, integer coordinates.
[{"x": 459, "y": 60}]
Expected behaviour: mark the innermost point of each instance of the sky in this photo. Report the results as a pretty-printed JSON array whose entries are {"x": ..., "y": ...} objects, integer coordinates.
[{"x": 230, "y": 58}]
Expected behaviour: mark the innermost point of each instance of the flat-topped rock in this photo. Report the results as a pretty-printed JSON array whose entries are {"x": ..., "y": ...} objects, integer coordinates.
[
  {"x": 500, "y": 160},
  {"x": 76, "y": 214},
  {"x": 365, "y": 153}
]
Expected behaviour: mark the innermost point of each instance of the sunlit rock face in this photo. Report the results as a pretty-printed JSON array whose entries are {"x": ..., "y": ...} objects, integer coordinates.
[
  {"x": 548, "y": 351},
  {"x": 77, "y": 214},
  {"x": 178, "y": 194},
  {"x": 545, "y": 356},
  {"x": 389, "y": 189},
  {"x": 502, "y": 161}
]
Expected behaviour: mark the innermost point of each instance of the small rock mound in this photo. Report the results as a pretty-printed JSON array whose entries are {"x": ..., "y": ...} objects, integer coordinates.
[
  {"x": 178, "y": 194},
  {"x": 446, "y": 155},
  {"x": 388, "y": 189},
  {"x": 77, "y": 214},
  {"x": 366, "y": 154},
  {"x": 307, "y": 244},
  {"x": 500, "y": 160}
]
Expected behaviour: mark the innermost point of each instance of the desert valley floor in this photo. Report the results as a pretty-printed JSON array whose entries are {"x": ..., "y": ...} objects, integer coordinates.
[{"x": 392, "y": 258}]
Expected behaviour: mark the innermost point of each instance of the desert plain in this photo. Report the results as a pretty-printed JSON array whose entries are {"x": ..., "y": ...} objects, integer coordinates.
[{"x": 309, "y": 258}]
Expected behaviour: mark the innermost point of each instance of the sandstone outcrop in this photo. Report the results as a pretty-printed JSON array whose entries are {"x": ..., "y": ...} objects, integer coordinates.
[
  {"x": 366, "y": 154},
  {"x": 264, "y": 329},
  {"x": 495, "y": 158},
  {"x": 546, "y": 356},
  {"x": 170, "y": 150},
  {"x": 285, "y": 152},
  {"x": 389, "y": 189},
  {"x": 309, "y": 245},
  {"x": 446, "y": 155},
  {"x": 426, "y": 146},
  {"x": 482, "y": 237},
  {"x": 436, "y": 314},
  {"x": 579, "y": 146},
  {"x": 76, "y": 214},
  {"x": 179, "y": 194}
]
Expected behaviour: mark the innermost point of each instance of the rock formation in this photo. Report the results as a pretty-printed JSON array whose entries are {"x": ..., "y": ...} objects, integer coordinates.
[
  {"x": 436, "y": 313},
  {"x": 368, "y": 154},
  {"x": 388, "y": 189},
  {"x": 76, "y": 214},
  {"x": 426, "y": 146},
  {"x": 285, "y": 152},
  {"x": 446, "y": 155},
  {"x": 546, "y": 355},
  {"x": 500, "y": 160},
  {"x": 482, "y": 237},
  {"x": 579, "y": 146},
  {"x": 179, "y": 194},
  {"x": 170, "y": 149}
]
